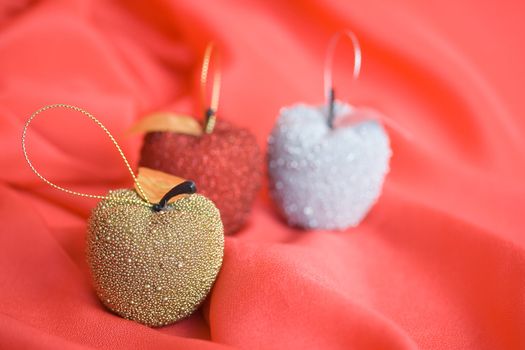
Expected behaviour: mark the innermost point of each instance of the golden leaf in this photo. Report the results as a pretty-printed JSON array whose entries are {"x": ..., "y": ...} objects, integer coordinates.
[
  {"x": 167, "y": 121},
  {"x": 156, "y": 184}
]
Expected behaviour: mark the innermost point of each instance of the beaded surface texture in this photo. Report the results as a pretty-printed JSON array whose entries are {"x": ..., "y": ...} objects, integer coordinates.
[
  {"x": 226, "y": 164},
  {"x": 323, "y": 178},
  {"x": 154, "y": 267}
]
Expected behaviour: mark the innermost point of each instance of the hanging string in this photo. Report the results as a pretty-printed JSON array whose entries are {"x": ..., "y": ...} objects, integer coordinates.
[
  {"x": 329, "y": 88},
  {"x": 210, "y": 110},
  {"x": 328, "y": 69},
  {"x": 90, "y": 116}
]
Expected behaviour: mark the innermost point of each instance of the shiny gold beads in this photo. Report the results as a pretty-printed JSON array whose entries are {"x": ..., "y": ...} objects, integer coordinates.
[{"x": 154, "y": 267}]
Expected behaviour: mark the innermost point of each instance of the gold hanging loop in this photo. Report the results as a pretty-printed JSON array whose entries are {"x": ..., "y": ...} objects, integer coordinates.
[
  {"x": 90, "y": 116},
  {"x": 210, "y": 110}
]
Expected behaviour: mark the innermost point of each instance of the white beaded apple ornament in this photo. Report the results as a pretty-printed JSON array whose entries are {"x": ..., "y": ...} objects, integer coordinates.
[
  {"x": 154, "y": 251},
  {"x": 327, "y": 163}
]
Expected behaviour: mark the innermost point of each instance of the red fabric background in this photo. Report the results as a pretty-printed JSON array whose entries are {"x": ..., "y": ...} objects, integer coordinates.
[{"x": 439, "y": 263}]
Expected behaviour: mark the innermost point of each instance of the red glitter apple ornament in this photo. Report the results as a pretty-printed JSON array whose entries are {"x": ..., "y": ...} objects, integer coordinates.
[{"x": 224, "y": 160}]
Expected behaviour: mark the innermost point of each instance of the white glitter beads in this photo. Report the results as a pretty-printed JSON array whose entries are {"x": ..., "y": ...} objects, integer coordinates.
[
  {"x": 323, "y": 178},
  {"x": 154, "y": 267}
]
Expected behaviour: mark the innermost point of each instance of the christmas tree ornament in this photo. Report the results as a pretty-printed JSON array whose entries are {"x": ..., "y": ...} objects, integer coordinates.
[
  {"x": 327, "y": 163},
  {"x": 154, "y": 251},
  {"x": 224, "y": 160}
]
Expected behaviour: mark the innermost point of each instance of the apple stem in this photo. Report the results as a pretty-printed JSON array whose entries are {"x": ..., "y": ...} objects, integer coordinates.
[
  {"x": 209, "y": 120},
  {"x": 187, "y": 187},
  {"x": 331, "y": 107}
]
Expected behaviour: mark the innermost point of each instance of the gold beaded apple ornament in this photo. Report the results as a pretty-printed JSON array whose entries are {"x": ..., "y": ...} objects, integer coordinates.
[
  {"x": 223, "y": 159},
  {"x": 154, "y": 251}
]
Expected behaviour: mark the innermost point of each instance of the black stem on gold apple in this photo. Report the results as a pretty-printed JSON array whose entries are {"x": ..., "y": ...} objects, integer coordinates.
[
  {"x": 331, "y": 107},
  {"x": 187, "y": 187}
]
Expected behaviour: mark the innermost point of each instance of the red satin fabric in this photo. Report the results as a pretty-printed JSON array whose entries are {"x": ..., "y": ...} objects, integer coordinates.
[{"x": 439, "y": 263}]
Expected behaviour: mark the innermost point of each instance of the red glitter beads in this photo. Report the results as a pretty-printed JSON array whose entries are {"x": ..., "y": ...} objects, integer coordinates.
[{"x": 226, "y": 165}]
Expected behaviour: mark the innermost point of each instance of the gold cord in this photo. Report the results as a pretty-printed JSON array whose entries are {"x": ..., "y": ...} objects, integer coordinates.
[
  {"x": 90, "y": 116},
  {"x": 211, "y": 110}
]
